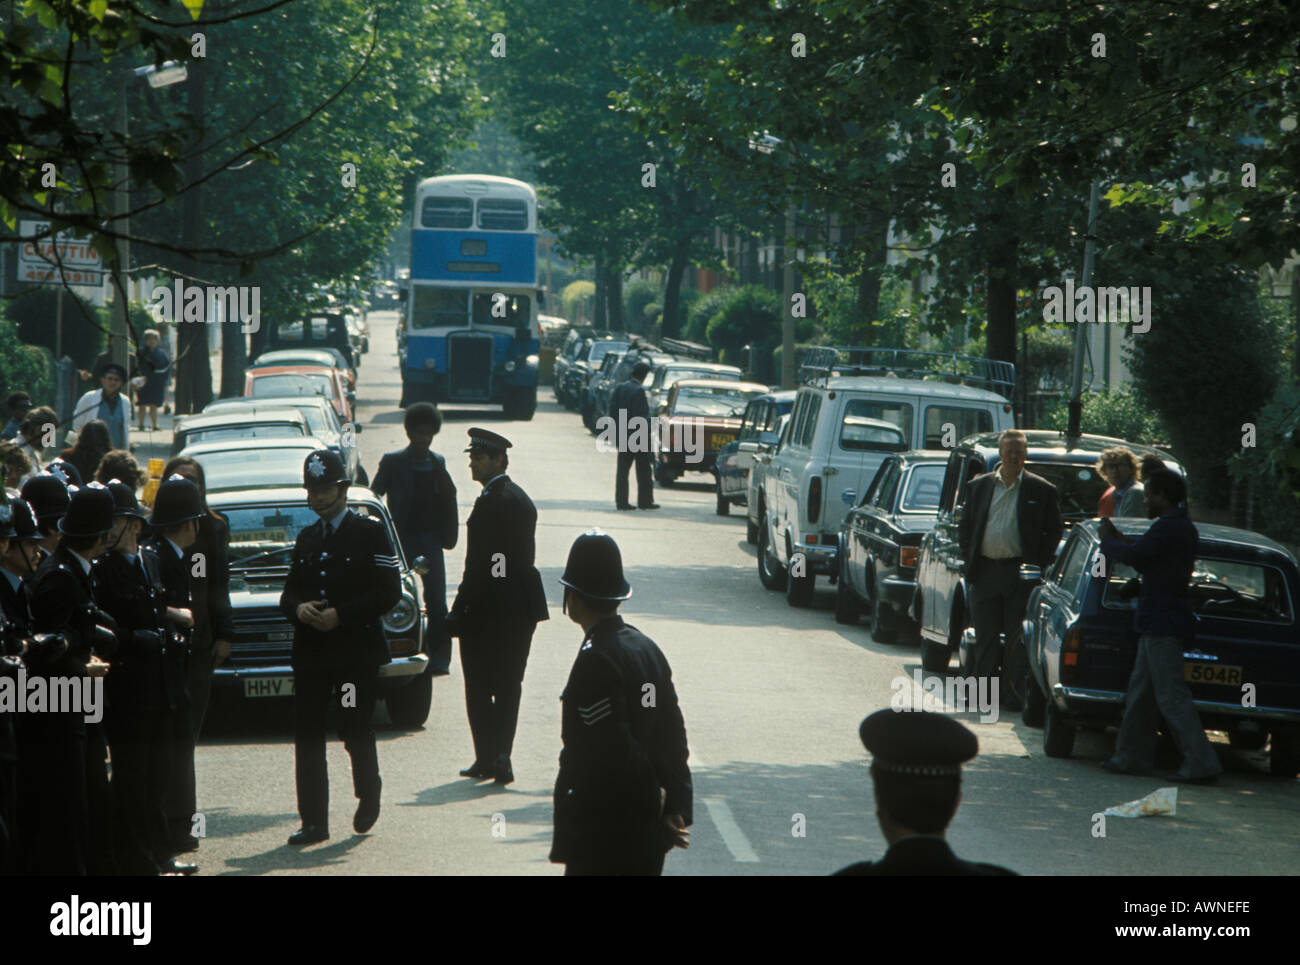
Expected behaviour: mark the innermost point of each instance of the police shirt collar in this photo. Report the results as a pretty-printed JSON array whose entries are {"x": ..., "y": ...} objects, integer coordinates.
[
  {"x": 611, "y": 622},
  {"x": 14, "y": 579},
  {"x": 335, "y": 521},
  {"x": 85, "y": 563},
  {"x": 180, "y": 553},
  {"x": 488, "y": 485}
]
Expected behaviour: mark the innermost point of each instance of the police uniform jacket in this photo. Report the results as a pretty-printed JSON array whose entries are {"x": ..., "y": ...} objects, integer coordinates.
[
  {"x": 354, "y": 570},
  {"x": 624, "y": 739},
  {"x": 500, "y": 583},
  {"x": 61, "y": 599},
  {"x": 174, "y": 571},
  {"x": 13, "y": 601},
  {"x": 133, "y": 595},
  {"x": 921, "y": 855}
]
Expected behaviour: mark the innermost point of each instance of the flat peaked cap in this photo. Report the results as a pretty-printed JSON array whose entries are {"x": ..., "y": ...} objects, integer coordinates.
[
  {"x": 917, "y": 742},
  {"x": 487, "y": 439}
]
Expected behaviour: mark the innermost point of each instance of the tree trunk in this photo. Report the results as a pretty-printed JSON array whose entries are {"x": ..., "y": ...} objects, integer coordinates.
[
  {"x": 614, "y": 296},
  {"x": 1001, "y": 331},
  {"x": 194, "y": 373},
  {"x": 870, "y": 237},
  {"x": 672, "y": 290},
  {"x": 601, "y": 319}
]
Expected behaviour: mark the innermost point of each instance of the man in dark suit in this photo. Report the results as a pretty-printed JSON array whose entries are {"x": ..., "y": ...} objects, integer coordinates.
[
  {"x": 498, "y": 606},
  {"x": 630, "y": 411},
  {"x": 422, "y": 499},
  {"x": 344, "y": 577},
  {"x": 1011, "y": 517},
  {"x": 916, "y": 759},
  {"x": 623, "y": 797}
]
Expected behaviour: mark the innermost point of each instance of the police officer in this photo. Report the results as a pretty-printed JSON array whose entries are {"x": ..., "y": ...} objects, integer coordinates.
[
  {"x": 344, "y": 577},
  {"x": 498, "y": 606},
  {"x": 47, "y": 494},
  {"x": 19, "y": 563},
  {"x": 65, "y": 792},
  {"x": 916, "y": 770},
  {"x": 623, "y": 797},
  {"x": 130, "y": 582},
  {"x": 177, "y": 507}
]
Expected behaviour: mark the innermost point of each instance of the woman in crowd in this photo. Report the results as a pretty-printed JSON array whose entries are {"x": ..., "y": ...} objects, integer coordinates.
[{"x": 92, "y": 443}]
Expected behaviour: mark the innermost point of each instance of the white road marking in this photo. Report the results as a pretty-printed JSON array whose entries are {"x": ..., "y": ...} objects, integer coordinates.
[{"x": 732, "y": 836}]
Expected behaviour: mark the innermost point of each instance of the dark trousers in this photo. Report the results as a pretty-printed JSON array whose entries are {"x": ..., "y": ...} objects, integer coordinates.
[
  {"x": 141, "y": 752},
  {"x": 645, "y": 494},
  {"x": 1157, "y": 689},
  {"x": 199, "y": 681},
  {"x": 997, "y": 604},
  {"x": 101, "y": 813},
  {"x": 618, "y": 864},
  {"x": 10, "y": 835},
  {"x": 179, "y": 802},
  {"x": 317, "y": 695},
  {"x": 437, "y": 641},
  {"x": 52, "y": 806},
  {"x": 493, "y": 659}
]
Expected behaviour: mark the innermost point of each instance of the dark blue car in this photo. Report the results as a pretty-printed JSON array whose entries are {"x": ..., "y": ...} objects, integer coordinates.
[
  {"x": 757, "y": 434},
  {"x": 1243, "y": 666}
]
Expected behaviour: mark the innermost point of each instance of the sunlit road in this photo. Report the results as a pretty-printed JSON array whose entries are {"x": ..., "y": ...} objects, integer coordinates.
[{"x": 772, "y": 698}]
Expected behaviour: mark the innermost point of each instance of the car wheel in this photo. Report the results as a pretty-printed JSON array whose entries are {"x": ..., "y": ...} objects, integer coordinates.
[
  {"x": 847, "y": 608},
  {"x": 770, "y": 571},
  {"x": 1058, "y": 733},
  {"x": 1284, "y": 755},
  {"x": 883, "y": 621},
  {"x": 1035, "y": 707},
  {"x": 723, "y": 505},
  {"x": 935, "y": 656},
  {"x": 589, "y": 418},
  {"x": 751, "y": 530},
  {"x": 363, "y": 477},
  {"x": 799, "y": 589},
  {"x": 408, "y": 706},
  {"x": 664, "y": 474},
  {"x": 1247, "y": 740}
]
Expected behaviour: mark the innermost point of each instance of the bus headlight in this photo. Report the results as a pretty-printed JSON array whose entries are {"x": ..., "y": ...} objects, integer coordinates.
[
  {"x": 532, "y": 360},
  {"x": 430, "y": 364},
  {"x": 510, "y": 366},
  {"x": 401, "y": 617}
]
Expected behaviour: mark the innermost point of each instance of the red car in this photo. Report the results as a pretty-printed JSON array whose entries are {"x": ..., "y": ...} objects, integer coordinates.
[
  {"x": 698, "y": 419},
  {"x": 278, "y": 381}
]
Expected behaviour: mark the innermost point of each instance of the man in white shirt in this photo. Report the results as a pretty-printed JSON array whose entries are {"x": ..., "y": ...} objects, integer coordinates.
[{"x": 109, "y": 404}]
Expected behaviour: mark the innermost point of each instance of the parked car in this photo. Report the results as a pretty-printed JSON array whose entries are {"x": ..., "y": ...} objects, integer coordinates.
[
  {"x": 264, "y": 523},
  {"x": 322, "y": 422},
  {"x": 939, "y": 604},
  {"x": 837, "y": 442},
  {"x": 706, "y": 412},
  {"x": 622, "y": 371},
  {"x": 1080, "y": 645},
  {"x": 880, "y": 541},
  {"x": 758, "y": 475},
  {"x": 574, "y": 342},
  {"x": 578, "y": 373},
  {"x": 327, "y": 328},
  {"x": 604, "y": 374},
  {"x": 668, "y": 373},
  {"x": 758, "y": 428},
  {"x": 330, "y": 358},
  {"x": 249, "y": 425},
  {"x": 281, "y": 380},
  {"x": 358, "y": 332},
  {"x": 236, "y": 465}
]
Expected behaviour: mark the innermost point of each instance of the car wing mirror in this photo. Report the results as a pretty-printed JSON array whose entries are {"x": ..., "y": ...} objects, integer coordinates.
[{"x": 420, "y": 565}]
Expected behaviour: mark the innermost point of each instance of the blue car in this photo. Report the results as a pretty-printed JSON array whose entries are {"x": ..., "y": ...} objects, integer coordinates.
[
  {"x": 757, "y": 433},
  {"x": 1080, "y": 644}
]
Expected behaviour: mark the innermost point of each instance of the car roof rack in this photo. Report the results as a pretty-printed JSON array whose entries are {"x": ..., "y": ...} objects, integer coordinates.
[
  {"x": 824, "y": 362},
  {"x": 691, "y": 350}
]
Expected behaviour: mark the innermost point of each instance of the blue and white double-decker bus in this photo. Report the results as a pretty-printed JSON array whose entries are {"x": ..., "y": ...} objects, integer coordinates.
[{"x": 470, "y": 331}]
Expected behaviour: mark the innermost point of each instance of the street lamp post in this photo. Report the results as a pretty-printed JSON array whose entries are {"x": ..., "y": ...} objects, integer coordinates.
[{"x": 768, "y": 144}]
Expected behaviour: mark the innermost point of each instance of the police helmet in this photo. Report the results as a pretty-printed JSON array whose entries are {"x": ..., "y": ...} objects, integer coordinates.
[
  {"x": 47, "y": 495},
  {"x": 324, "y": 468},
  {"x": 90, "y": 512},
  {"x": 595, "y": 568},
  {"x": 176, "y": 501}
]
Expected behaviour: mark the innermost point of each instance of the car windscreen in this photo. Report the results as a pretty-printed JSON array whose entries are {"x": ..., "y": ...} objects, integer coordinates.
[
  {"x": 1078, "y": 487},
  {"x": 713, "y": 400},
  {"x": 1227, "y": 589},
  {"x": 924, "y": 485},
  {"x": 672, "y": 375},
  {"x": 264, "y": 535},
  {"x": 245, "y": 468},
  {"x": 271, "y": 385},
  {"x": 600, "y": 349},
  {"x": 270, "y": 430}
]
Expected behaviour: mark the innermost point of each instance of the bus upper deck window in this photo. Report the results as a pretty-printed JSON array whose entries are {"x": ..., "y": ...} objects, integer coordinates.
[
  {"x": 500, "y": 214},
  {"x": 442, "y": 212}
]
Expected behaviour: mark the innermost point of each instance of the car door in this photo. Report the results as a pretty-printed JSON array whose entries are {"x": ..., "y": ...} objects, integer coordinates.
[
  {"x": 740, "y": 460},
  {"x": 866, "y": 519},
  {"x": 934, "y": 571}
]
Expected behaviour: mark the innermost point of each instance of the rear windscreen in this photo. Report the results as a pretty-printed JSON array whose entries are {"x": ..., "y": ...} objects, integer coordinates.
[{"x": 1229, "y": 589}]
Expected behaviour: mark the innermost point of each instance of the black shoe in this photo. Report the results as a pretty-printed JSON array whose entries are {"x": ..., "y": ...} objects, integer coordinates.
[
  {"x": 1114, "y": 768},
  {"x": 367, "y": 814},
  {"x": 185, "y": 844},
  {"x": 308, "y": 834},
  {"x": 477, "y": 771},
  {"x": 650, "y": 506},
  {"x": 503, "y": 771},
  {"x": 174, "y": 867},
  {"x": 1207, "y": 779},
  {"x": 625, "y": 506}
]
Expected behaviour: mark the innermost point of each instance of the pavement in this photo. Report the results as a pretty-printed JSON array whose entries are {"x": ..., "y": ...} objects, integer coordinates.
[{"x": 772, "y": 698}]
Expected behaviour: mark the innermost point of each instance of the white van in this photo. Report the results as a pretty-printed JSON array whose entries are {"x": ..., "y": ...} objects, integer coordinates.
[{"x": 854, "y": 407}]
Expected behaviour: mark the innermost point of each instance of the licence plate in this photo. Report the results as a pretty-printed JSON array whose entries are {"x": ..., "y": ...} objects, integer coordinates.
[
  {"x": 268, "y": 686},
  {"x": 1211, "y": 673},
  {"x": 722, "y": 439}
]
